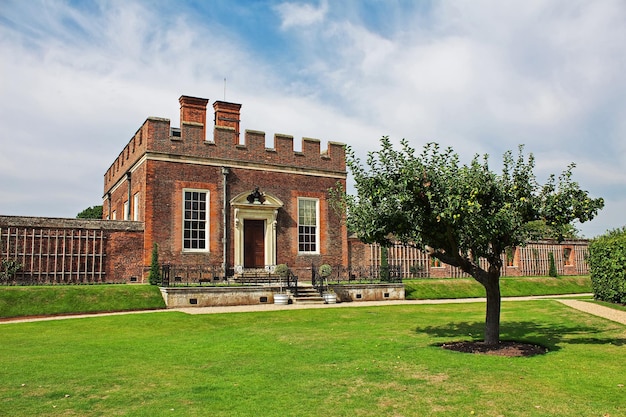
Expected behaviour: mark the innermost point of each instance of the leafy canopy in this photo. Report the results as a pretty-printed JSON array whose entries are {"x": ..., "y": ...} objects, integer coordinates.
[
  {"x": 461, "y": 212},
  {"x": 94, "y": 212}
]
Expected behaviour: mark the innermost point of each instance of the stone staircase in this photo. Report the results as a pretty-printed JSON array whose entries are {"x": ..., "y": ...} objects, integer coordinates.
[{"x": 307, "y": 295}]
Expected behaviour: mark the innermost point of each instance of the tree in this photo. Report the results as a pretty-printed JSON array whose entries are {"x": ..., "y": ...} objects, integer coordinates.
[
  {"x": 539, "y": 229},
  {"x": 94, "y": 212},
  {"x": 154, "y": 277},
  {"x": 458, "y": 213},
  {"x": 552, "y": 266}
]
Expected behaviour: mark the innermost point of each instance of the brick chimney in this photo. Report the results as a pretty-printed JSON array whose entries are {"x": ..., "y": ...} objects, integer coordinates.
[
  {"x": 227, "y": 115},
  {"x": 193, "y": 110}
]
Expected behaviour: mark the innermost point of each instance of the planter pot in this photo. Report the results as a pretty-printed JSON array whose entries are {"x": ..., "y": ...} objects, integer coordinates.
[
  {"x": 330, "y": 298},
  {"x": 282, "y": 299}
]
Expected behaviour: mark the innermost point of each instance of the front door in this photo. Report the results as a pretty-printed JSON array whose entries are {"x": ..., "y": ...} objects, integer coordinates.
[{"x": 253, "y": 243}]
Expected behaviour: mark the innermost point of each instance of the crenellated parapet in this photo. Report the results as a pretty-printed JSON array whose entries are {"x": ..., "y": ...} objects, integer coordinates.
[{"x": 157, "y": 137}]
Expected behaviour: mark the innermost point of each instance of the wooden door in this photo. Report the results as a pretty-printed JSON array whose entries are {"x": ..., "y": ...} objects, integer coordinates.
[{"x": 254, "y": 243}]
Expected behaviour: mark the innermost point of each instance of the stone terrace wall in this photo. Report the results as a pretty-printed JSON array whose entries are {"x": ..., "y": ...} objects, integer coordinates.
[{"x": 56, "y": 251}]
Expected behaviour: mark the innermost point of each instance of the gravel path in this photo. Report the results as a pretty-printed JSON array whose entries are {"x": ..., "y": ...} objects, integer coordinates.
[
  {"x": 591, "y": 308},
  {"x": 597, "y": 310}
]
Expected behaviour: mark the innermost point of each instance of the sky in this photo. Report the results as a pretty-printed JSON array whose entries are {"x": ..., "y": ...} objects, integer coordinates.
[{"x": 78, "y": 78}]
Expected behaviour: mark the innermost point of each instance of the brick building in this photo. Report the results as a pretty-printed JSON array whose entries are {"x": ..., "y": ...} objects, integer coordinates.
[
  {"x": 218, "y": 201},
  {"x": 216, "y": 204}
]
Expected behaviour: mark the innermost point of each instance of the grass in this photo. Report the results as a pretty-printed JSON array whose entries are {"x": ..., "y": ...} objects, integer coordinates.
[
  {"x": 64, "y": 299},
  {"x": 359, "y": 361},
  {"x": 423, "y": 289},
  {"x": 49, "y": 300}
]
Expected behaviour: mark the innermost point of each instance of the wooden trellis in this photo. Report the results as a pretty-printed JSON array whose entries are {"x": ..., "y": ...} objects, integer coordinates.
[
  {"x": 529, "y": 260},
  {"x": 54, "y": 255}
]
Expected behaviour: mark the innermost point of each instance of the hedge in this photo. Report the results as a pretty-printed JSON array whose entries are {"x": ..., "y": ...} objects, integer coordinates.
[{"x": 607, "y": 266}]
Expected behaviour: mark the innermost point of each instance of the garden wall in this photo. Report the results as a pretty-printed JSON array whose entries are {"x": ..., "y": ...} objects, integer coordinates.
[
  {"x": 530, "y": 260},
  {"x": 63, "y": 251}
]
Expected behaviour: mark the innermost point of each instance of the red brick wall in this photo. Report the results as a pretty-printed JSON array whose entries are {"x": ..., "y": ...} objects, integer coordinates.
[
  {"x": 124, "y": 260},
  {"x": 165, "y": 184},
  {"x": 162, "y": 165}
]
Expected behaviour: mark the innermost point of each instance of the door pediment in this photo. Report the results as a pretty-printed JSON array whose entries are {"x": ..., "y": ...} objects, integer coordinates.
[{"x": 267, "y": 201}]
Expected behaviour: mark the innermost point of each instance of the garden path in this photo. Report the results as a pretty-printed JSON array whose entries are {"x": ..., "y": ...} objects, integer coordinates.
[{"x": 587, "y": 307}]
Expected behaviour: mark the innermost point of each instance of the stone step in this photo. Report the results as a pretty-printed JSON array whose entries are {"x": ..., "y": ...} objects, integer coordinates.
[
  {"x": 308, "y": 300},
  {"x": 308, "y": 295}
]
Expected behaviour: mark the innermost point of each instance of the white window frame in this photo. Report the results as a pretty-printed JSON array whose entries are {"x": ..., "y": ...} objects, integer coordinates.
[
  {"x": 126, "y": 211},
  {"x": 136, "y": 207},
  {"x": 317, "y": 226},
  {"x": 206, "y": 220}
]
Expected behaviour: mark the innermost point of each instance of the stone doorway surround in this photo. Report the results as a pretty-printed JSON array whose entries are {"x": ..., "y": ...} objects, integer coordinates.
[{"x": 255, "y": 205}]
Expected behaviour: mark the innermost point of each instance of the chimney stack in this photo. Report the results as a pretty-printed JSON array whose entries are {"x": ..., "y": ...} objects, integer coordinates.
[
  {"x": 193, "y": 110},
  {"x": 227, "y": 115}
]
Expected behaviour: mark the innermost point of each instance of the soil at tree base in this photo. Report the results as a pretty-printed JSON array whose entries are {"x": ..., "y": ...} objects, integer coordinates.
[{"x": 504, "y": 348}]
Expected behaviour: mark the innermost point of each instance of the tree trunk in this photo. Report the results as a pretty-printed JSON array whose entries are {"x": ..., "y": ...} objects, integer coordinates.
[{"x": 492, "y": 320}]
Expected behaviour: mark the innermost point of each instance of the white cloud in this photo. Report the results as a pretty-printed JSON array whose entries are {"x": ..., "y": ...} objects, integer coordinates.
[
  {"x": 296, "y": 14},
  {"x": 479, "y": 76}
]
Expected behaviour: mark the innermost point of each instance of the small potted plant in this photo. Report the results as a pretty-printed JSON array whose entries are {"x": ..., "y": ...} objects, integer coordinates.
[
  {"x": 282, "y": 271},
  {"x": 329, "y": 295}
]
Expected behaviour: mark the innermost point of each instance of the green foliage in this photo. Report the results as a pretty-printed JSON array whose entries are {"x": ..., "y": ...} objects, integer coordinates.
[
  {"x": 552, "y": 266},
  {"x": 282, "y": 270},
  {"x": 384, "y": 264},
  {"x": 462, "y": 212},
  {"x": 8, "y": 269},
  {"x": 154, "y": 277},
  {"x": 607, "y": 265},
  {"x": 325, "y": 270},
  {"x": 459, "y": 213},
  {"x": 94, "y": 212},
  {"x": 16, "y": 301},
  {"x": 539, "y": 229}
]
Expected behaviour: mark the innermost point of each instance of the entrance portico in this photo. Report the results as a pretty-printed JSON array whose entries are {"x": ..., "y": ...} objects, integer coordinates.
[{"x": 255, "y": 216}]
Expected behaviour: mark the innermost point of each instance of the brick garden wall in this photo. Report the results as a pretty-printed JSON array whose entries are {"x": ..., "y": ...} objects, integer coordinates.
[
  {"x": 57, "y": 251},
  {"x": 529, "y": 260}
]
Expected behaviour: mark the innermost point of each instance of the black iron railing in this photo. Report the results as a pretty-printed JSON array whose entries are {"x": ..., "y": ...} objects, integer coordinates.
[
  {"x": 213, "y": 275},
  {"x": 357, "y": 275},
  {"x": 176, "y": 275}
]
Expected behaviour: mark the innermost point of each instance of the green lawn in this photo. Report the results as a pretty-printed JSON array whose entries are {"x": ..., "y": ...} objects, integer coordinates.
[
  {"x": 64, "y": 299},
  {"x": 428, "y": 288},
  {"x": 358, "y": 361}
]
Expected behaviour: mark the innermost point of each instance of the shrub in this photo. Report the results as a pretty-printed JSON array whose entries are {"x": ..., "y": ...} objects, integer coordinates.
[
  {"x": 552, "y": 271},
  {"x": 8, "y": 269},
  {"x": 155, "y": 269},
  {"x": 607, "y": 266}
]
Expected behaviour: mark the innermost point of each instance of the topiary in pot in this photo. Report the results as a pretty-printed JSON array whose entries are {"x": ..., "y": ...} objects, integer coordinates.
[
  {"x": 281, "y": 270},
  {"x": 325, "y": 270}
]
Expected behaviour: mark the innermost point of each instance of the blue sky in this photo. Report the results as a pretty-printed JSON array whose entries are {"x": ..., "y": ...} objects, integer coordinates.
[{"x": 78, "y": 78}]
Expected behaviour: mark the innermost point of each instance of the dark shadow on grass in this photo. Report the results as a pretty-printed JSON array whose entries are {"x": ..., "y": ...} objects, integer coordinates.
[{"x": 548, "y": 335}]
